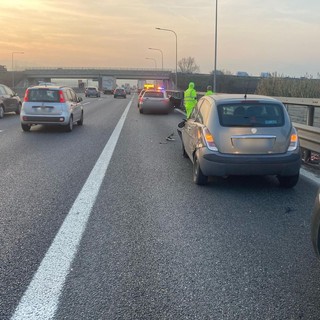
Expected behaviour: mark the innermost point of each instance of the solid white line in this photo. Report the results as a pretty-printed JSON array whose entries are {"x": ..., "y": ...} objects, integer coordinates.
[
  {"x": 309, "y": 175},
  {"x": 41, "y": 298}
]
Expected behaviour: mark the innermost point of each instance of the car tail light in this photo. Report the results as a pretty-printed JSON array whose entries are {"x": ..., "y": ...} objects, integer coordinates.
[
  {"x": 61, "y": 97},
  {"x": 294, "y": 140},
  {"x": 205, "y": 135},
  {"x": 26, "y": 96}
]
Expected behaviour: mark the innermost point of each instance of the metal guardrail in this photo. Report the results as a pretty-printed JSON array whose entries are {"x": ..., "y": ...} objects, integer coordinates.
[
  {"x": 308, "y": 134},
  {"x": 309, "y": 137}
]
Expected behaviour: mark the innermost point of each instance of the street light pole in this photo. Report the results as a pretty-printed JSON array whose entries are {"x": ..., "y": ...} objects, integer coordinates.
[
  {"x": 176, "y": 52},
  {"x": 161, "y": 55},
  {"x": 215, "y": 50},
  {"x": 154, "y": 60},
  {"x": 12, "y": 70}
]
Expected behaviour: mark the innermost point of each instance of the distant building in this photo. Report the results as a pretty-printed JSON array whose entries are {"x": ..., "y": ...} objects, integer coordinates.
[
  {"x": 265, "y": 74},
  {"x": 242, "y": 74}
]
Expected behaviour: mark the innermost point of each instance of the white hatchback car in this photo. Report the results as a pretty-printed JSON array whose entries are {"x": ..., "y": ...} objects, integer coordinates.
[
  {"x": 51, "y": 105},
  {"x": 154, "y": 101}
]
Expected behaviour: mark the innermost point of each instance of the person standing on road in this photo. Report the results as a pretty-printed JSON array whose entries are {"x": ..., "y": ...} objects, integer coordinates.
[
  {"x": 190, "y": 99},
  {"x": 209, "y": 91}
]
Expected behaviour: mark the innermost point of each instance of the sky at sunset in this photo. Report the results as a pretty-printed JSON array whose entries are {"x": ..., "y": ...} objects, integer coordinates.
[{"x": 280, "y": 36}]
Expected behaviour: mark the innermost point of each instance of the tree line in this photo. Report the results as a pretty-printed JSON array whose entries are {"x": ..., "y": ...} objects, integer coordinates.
[{"x": 274, "y": 85}]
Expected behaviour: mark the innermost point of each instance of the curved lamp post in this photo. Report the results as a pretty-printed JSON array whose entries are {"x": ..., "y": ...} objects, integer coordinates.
[
  {"x": 154, "y": 60},
  {"x": 176, "y": 51},
  {"x": 161, "y": 55},
  {"x": 15, "y": 52}
]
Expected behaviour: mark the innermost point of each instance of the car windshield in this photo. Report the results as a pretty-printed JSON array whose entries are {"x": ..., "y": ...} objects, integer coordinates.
[
  {"x": 251, "y": 114},
  {"x": 43, "y": 95}
]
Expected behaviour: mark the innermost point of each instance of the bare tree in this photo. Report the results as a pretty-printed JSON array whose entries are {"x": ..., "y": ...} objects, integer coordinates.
[{"x": 188, "y": 65}]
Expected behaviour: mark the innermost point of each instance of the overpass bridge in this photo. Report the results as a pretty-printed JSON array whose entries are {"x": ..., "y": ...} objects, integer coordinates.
[{"x": 46, "y": 74}]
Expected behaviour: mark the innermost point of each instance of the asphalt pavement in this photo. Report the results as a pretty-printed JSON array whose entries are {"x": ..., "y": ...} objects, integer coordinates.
[{"x": 105, "y": 223}]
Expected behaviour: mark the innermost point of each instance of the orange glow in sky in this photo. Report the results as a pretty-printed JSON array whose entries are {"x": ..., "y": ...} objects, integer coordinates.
[{"x": 253, "y": 35}]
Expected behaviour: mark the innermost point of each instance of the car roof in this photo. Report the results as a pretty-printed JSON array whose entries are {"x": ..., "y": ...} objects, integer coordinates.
[
  {"x": 50, "y": 87},
  {"x": 228, "y": 97}
]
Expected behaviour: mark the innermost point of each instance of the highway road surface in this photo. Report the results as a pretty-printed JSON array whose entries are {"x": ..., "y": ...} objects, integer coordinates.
[{"x": 105, "y": 223}]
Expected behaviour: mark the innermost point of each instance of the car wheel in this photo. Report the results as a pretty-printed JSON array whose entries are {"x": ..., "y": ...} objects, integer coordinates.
[
  {"x": 25, "y": 127},
  {"x": 1, "y": 112},
  {"x": 288, "y": 181},
  {"x": 80, "y": 122},
  {"x": 316, "y": 244},
  {"x": 198, "y": 177},
  {"x": 140, "y": 110},
  {"x": 315, "y": 225},
  {"x": 69, "y": 126},
  {"x": 19, "y": 109}
]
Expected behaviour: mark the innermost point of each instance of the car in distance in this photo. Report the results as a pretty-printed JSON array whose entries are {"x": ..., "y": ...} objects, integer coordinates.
[
  {"x": 53, "y": 105},
  {"x": 232, "y": 134},
  {"x": 9, "y": 101},
  {"x": 92, "y": 92},
  {"x": 155, "y": 101},
  {"x": 315, "y": 225},
  {"x": 119, "y": 92}
]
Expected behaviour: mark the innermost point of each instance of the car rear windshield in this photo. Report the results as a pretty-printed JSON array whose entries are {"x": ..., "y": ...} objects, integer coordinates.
[
  {"x": 251, "y": 114},
  {"x": 153, "y": 94},
  {"x": 43, "y": 95}
]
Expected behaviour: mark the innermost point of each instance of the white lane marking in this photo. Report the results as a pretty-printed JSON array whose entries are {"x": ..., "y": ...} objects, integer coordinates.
[
  {"x": 180, "y": 111},
  {"x": 311, "y": 176},
  {"x": 40, "y": 301},
  {"x": 85, "y": 103}
]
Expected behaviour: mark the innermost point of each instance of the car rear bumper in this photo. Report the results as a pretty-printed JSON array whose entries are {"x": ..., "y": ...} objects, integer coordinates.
[
  {"x": 156, "y": 108},
  {"x": 56, "y": 120},
  {"x": 217, "y": 164}
]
